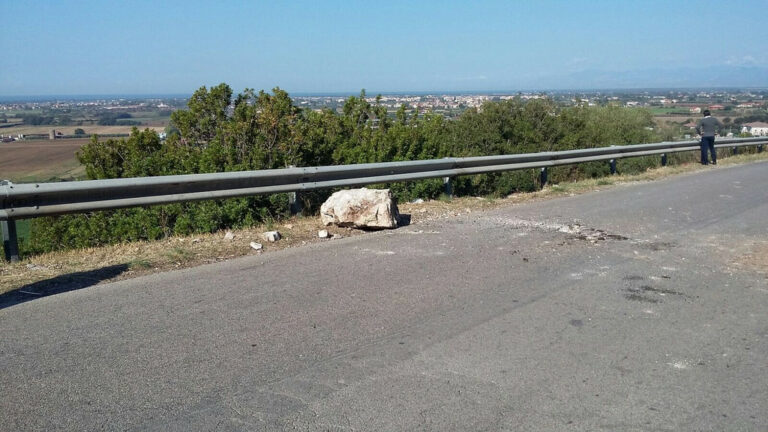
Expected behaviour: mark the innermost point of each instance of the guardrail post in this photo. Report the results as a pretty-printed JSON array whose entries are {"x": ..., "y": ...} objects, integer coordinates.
[
  {"x": 294, "y": 203},
  {"x": 760, "y": 148},
  {"x": 663, "y": 159},
  {"x": 10, "y": 241},
  {"x": 613, "y": 166},
  {"x": 543, "y": 177},
  {"x": 735, "y": 150},
  {"x": 448, "y": 186}
]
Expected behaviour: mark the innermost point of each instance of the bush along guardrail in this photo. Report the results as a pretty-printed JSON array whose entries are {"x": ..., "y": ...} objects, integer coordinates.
[{"x": 31, "y": 200}]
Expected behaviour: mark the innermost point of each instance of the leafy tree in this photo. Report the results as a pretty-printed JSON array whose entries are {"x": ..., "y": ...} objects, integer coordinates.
[
  {"x": 265, "y": 130},
  {"x": 206, "y": 116}
]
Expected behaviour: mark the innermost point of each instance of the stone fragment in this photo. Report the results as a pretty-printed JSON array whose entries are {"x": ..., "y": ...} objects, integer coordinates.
[
  {"x": 322, "y": 234},
  {"x": 229, "y": 236},
  {"x": 360, "y": 208},
  {"x": 271, "y": 236},
  {"x": 256, "y": 246}
]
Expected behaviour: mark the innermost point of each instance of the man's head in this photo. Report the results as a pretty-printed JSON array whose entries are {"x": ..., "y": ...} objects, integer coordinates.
[{"x": 706, "y": 113}]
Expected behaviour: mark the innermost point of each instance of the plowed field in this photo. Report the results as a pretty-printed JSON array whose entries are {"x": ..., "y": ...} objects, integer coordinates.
[{"x": 27, "y": 161}]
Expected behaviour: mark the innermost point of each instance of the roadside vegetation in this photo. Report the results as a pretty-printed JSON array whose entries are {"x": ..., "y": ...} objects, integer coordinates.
[{"x": 222, "y": 132}]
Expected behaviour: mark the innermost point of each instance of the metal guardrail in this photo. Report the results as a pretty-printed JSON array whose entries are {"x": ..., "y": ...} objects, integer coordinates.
[{"x": 30, "y": 200}]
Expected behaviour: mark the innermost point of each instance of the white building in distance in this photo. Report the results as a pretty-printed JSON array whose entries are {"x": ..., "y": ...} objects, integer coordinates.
[{"x": 756, "y": 128}]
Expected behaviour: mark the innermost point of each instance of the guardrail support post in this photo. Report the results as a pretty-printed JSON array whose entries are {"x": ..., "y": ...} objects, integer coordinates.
[
  {"x": 613, "y": 166},
  {"x": 10, "y": 242},
  {"x": 663, "y": 159},
  {"x": 543, "y": 177},
  {"x": 735, "y": 150},
  {"x": 294, "y": 204},
  {"x": 760, "y": 148},
  {"x": 448, "y": 186}
]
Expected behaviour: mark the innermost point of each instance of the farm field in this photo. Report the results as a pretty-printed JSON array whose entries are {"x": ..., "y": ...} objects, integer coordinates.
[
  {"x": 70, "y": 130},
  {"x": 40, "y": 160},
  {"x": 665, "y": 111}
]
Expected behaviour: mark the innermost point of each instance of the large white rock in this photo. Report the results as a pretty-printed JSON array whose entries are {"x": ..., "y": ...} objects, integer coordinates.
[
  {"x": 271, "y": 236},
  {"x": 360, "y": 208}
]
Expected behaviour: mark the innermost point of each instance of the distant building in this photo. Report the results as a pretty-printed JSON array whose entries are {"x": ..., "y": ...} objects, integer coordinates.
[
  {"x": 716, "y": 107},
  {"x": 695, "y": 110},
  {"x": 756, "y": 128}
]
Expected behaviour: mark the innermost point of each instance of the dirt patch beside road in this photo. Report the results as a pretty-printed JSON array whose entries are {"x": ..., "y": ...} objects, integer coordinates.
[{"x": 756, "y": 259}]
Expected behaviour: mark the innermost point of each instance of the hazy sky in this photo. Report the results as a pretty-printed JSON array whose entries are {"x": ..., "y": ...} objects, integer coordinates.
[{"x": 141, "y": 47}]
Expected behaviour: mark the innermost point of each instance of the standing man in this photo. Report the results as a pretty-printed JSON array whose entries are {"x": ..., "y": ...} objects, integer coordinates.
[{"x": 708, "y": 127}]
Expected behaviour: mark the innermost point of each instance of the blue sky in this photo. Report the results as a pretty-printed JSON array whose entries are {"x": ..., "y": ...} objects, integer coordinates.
[{"x": 144, "y": 47}]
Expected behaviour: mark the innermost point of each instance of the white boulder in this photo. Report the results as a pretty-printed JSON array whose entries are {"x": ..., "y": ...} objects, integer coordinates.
[
  {"x": 360, "y": 208},
  {"x": 322, "y": 234},
  {"x": 271, "y": 236}
]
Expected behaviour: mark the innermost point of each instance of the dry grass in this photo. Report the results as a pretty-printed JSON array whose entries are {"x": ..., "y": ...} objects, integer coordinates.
[
  {"x": 180, "y": 252},
  {"x": 173, "y": 253}
]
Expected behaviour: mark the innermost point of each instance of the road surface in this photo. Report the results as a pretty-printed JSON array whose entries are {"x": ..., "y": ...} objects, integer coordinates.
[{"x": 629, "y": 309}]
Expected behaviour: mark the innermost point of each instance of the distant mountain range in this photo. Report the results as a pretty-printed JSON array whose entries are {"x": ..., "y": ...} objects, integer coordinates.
[{"x": 681, "y": 77}]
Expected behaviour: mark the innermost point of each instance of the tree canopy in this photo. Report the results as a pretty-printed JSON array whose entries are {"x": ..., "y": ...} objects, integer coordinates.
[{"x": 265, "y": 130}]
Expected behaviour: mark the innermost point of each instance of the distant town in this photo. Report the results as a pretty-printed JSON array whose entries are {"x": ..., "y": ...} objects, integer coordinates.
[{"x": 742, "y": 111}]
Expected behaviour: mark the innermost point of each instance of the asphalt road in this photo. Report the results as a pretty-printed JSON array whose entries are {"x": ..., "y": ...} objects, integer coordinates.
[{"x": 618, "y": 310}]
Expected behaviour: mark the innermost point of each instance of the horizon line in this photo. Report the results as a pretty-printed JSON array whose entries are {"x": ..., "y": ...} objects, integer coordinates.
[{"x": 91, "y": 96}]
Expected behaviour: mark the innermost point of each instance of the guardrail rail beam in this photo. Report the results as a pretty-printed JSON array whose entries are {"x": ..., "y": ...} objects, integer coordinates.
[{"x": 30, "y": 200}]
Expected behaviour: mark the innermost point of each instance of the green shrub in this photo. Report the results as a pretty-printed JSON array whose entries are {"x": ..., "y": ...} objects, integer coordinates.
[{"x": 256, "y": 131}]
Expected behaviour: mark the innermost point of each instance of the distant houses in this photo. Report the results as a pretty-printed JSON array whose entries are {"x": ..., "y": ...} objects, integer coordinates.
[{"x": 755, "y": 128}]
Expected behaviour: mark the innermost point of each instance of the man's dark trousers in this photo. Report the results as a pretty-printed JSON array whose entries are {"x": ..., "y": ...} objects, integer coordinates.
[{"x": 708, "y": 143}]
